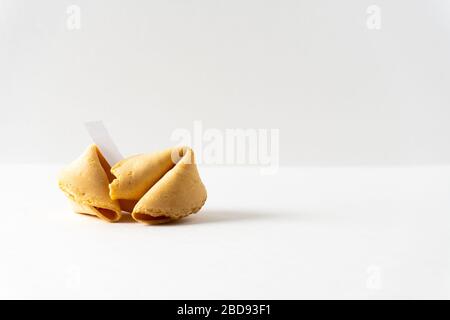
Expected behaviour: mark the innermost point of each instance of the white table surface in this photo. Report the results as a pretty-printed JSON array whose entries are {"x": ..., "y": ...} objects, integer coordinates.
[{"x": 302, "y": 233}]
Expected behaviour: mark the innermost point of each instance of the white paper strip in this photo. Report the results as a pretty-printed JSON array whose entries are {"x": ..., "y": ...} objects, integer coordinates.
[{"x": 103, "y": 140}]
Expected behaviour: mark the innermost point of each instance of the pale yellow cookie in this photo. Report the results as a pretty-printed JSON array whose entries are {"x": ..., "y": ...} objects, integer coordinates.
[
  {"x": 86, "y": 183},
  {"x": 179, "y": 193},
  {"x": 161, "y": 187},
  {"x": 136, "y": 175}
]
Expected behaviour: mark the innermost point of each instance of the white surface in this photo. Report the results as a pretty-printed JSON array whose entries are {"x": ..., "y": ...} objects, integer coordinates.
[
  {"x": 303, "y": 233},
  {"x": 339, "y": 92}
]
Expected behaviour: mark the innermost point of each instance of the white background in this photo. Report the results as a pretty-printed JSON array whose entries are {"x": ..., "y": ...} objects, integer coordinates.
[
  {"x": 304, "y": 233},
  {"x": 359, "y": 208},
  {"x": 339, "y": 92}
]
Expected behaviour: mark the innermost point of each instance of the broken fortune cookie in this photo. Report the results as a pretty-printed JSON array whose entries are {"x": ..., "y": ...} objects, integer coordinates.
[
  {"x": 86, "y": 183},
  {"x": 159, "y": 187}
]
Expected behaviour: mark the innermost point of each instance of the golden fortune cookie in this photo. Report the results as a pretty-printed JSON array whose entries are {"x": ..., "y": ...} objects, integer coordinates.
[
  {"x": 86, "y": 183},
  {"x": 159, "y": 187}
]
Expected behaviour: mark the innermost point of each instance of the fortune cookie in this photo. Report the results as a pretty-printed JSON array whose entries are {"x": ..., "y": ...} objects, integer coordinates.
[
  {"x": 159, "y": 187},
  {"x": 86, "y": 183}
]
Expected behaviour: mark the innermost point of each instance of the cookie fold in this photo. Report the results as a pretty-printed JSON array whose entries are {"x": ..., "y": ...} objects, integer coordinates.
[
  {"x": 86, "y": 183},
  {"x": 136, "y": 175},
  {"x": 160, "y": 187}
]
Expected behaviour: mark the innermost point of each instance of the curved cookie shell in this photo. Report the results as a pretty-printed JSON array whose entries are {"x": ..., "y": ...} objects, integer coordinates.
[
  {"x": 179, "y": 193},
  {"x": 136, "y": 175},
  {"x": 86, "y": 183},
  {"x": 172, "y": 190}
]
